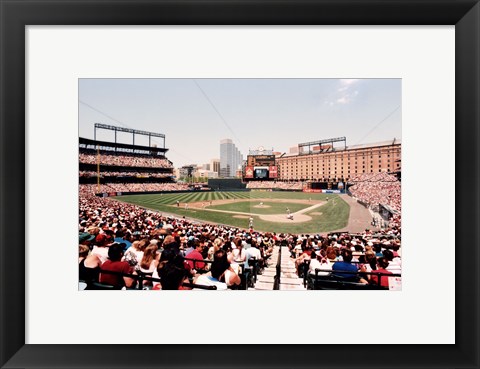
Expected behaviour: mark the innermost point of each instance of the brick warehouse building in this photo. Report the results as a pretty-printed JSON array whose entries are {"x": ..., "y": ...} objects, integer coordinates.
[{"x": 329, "y": 164}]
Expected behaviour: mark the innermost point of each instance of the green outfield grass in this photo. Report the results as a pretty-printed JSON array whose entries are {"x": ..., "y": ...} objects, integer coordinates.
[{"x": 332, "y": 215}]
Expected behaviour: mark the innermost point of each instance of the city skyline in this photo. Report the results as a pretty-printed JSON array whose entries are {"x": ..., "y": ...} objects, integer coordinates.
[
  {"x": 195, "y": 114},
  {"x": 231, "y": 158}
]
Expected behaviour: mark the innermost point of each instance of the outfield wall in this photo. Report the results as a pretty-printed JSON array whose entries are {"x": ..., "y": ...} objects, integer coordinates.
[
  {"x": 322, "y": 191},
  {"x": 226, "y": 184},
  {"x": 111, "y": 194}
]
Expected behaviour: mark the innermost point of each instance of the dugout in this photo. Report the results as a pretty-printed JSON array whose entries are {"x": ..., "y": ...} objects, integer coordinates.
[
  {"x": 386, "y": 211},
  {"x": 226, "y": 184},
  {"x": 325, "y": 185}
]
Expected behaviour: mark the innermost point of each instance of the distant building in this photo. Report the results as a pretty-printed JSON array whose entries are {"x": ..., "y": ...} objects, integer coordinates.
[
  {"x": 205, "y": 173},
  {"x": 341, "y": 164},
  {"x": 215, "y": 166},
  {"x": 187, "y": 170},
  {"x": 230, "y": 158}
]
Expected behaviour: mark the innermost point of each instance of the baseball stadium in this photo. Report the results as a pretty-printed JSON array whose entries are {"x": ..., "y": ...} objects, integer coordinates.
[{"x": 324, "y": 216}]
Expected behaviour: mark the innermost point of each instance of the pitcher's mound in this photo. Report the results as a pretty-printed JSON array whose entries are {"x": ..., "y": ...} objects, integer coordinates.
[{"x": 261, "y": 206}]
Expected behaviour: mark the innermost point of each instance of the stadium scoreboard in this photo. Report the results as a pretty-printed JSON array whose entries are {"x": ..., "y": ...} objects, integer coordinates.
[
  {"x": 261, "y": 167},
  {"x": 260, "y": 160}
]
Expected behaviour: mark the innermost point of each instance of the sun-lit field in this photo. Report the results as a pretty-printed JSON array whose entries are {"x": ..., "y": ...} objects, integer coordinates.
[{"x": 312, "y": 213}]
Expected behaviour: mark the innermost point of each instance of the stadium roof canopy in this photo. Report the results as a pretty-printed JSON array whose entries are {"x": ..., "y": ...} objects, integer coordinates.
[
  {"x": 87, "y": 143},
  {"x": 350, "y": 147}
]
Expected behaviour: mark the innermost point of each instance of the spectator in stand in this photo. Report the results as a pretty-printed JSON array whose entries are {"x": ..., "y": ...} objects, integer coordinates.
[
  {"x": 170, "y": 243},
  {"x": 114, "y": 264},
  {"x": 304, "y": 256},
  {"x": 121, "y": 237},
  {"x": 239, "y": 253},
  {"x": 378, "y": 250},
  {"x": 171, "y": 270},
  {"x": 150, "y": 259},
  {"x": 194, "y": 255},
  {"x": 370, "y": 262},
  {"x": 85, "y": 238},
  {"x": 254, "y": 253},
  {"x": 217, "y": 245},
  {"x": 88, "y": 265},
  {"x": 345, "y": 266},
  {"x": 135, "y": 253},
  {"x": 101, "y": 247},
  {"x": 394, "y": 264},
  {"x": 320, "y": 262},
  {"x": 221, "y": 273},
  {"x": 382, "y": 265}
]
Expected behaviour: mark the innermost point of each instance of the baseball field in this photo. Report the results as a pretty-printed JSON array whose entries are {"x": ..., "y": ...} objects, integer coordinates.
[{"x": 271, "y": 211}]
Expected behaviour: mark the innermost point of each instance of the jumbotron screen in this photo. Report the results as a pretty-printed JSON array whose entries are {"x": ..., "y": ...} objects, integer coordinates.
[{"x": 261, "y": 173}]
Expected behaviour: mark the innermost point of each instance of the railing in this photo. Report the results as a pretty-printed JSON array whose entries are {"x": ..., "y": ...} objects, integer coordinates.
[
  {"x": 276, "y": 281},
  {"x": 247, "y": 275},
  {"x": 352, "y": 277},
  {"x": 304, "y": 268},
  {"x": 195, "y": 261},
  {"x": 140, "y": 278}
]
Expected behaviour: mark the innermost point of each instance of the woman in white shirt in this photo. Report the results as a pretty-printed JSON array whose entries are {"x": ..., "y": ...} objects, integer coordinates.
[{"x": 320, "y": 262}]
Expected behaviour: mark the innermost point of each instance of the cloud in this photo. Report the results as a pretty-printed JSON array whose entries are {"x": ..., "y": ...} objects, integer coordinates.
[
  {"x": 348, "y": 82},
  {"x": 344, "y": 94}
]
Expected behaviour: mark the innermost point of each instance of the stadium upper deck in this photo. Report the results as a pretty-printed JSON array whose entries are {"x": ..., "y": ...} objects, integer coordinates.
[{"x": 122, "y": 163}]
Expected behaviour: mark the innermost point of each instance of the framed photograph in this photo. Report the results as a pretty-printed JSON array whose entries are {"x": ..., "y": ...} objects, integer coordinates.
[{"x": 62, "y": 63}]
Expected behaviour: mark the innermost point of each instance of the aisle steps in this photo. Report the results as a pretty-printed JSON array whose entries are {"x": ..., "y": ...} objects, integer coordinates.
[{"x": 288, "y": 278}]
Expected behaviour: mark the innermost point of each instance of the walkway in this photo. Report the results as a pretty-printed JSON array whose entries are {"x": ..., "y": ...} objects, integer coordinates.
[
  {"x": 288, "y": 278},
  {"x": 359, "y": 218}
]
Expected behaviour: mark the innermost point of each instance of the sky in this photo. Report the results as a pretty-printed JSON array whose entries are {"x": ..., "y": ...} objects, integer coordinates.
[{"x": 195, "y": 114}]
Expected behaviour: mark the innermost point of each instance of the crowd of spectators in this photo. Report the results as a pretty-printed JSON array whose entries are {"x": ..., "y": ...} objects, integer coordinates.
[
  {"x": 128, "y": 239},
  {"x": 377, "y": 188},
  {"x": 132, "y": 187},
  {"x": 125, "y": 160},
  {"x": 177, "y": 250},
  {"x": 351, "y": 257},
  {"x": 275, "y": 185},
  {"x": 91, "y": 173}
]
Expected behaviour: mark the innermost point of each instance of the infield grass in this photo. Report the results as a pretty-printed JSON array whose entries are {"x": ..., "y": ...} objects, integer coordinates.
[{"x": 330, "y": 216}]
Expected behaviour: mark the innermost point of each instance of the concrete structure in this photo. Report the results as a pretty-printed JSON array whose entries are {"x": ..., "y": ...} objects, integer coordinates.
[
  {"x": 230, "y": 158},
  {"x": 334, "y": 164},
  {"x": 187, "y": 170},
  {"x": 215, "y": 166},
  {"x": 205, "y": 173}
]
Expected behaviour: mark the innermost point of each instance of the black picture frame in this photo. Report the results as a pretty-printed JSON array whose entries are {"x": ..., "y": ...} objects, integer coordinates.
[{"x": 17, "y": 14}]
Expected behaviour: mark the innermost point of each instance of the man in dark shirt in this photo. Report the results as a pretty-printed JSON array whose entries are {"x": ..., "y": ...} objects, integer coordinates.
[{"x": 345, "y": 266}]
